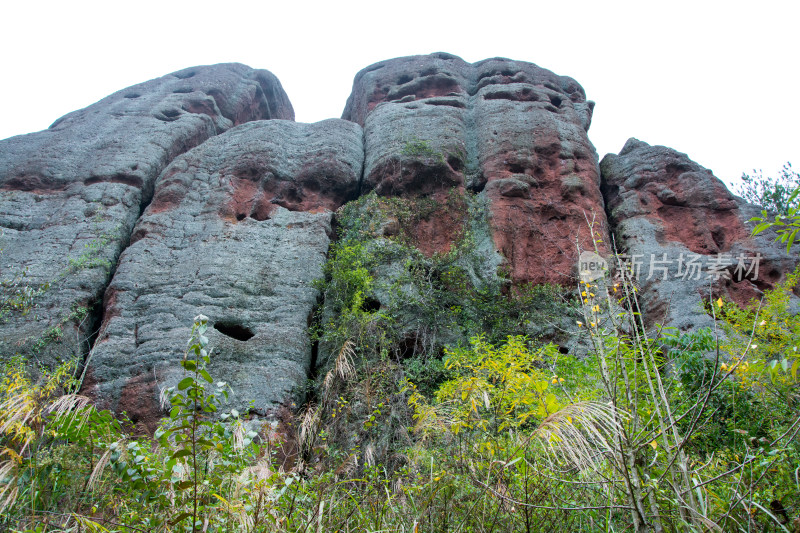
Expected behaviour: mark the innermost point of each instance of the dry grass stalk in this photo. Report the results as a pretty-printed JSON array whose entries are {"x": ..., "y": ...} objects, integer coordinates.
[
  {"x": 580, "y": 434},
  {"x": 8, "y": 494},
  {"x": 343, "y": 366},
  {"x": 98, "y": 469},
  {"x": 71, "y": 406},
  {"x": 309, "y": 422}
]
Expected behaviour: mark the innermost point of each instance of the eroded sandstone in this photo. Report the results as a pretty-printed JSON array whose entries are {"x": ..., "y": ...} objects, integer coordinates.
[
  {"x": 238, "y": 230},
  {"x": 70, "y": 195},
  {"x": 508, "y": 130},
  {"x": 686, "y": 235}
]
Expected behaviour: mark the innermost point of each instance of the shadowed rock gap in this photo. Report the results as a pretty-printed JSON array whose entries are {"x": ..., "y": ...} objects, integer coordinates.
[{"x": 234, "y": 331}]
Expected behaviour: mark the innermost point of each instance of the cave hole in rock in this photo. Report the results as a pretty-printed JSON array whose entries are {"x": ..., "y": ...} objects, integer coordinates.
[
  {"x": 718, "y": 236},
  {"x": 405, "y": 78},
  {"x": 455, "y": 163},
  {"x": 563, "y": 350},
  {"x": 171, "y": 113},
  {"x": 260, "y": 215},
  {"x": 183, "y": 90},
  {"x": 555, "y": 100},
  {"x": 477, "y": 185},
  {"x": 240, "y": 216},
  {"x": 516, "y": 168},
  {"x": 407, "y": 348},
  {"x": 131, "y": 96},
  {"x": 184, "y": 75},
  {"x": 370, "y": 305},
  {"x": 738, "y": 275},
  {"x": 234, "y": 331}
]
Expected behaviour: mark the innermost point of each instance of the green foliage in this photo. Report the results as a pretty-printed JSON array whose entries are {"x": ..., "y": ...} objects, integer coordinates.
[
  {"x": 763, "y": 340},
  {"x": 199, "y": 454},
  {"x": 497, "y": 388},
  {"x": 779, "y": 197},
  {"x": 416, "y": 147},
  {"x": 91, "y": 256},
  {"x": 17, "y": 297},
  {"x": 774, "y": 194},
  {"x": 734, "y": 413},
  {"x": 49, "y": 439},
  {"x": 424, "y": 301}
]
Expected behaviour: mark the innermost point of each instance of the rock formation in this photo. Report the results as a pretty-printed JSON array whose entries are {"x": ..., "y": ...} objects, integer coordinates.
[
  {"x": 72, "y": 194},
  {"x": 685, "y": 235},
  {"x": 183, "y": 195},
  {"x": 510, "y": 130},
  {"x": 238, "y": 230}
]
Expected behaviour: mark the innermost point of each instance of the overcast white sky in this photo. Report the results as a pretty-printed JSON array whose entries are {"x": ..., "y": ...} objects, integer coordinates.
[{"x": 717, "y": 80}]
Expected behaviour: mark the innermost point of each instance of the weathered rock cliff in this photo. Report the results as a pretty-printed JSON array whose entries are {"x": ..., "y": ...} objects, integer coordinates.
[
  {"x": 72, "y": 194},
  {"x": 238, "y": 230},
  {"x": 463, "y": 182},
  {"x": 686, "y": 236},
  {"x": 510, "y": 130}
]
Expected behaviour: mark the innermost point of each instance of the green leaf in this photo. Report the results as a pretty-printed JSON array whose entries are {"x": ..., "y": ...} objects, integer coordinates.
[
  {"x": 206, "y": 375},
  {"x": 185, "y": 383},
  {"x": 183, "y": 485},
  {"x": 189, "y": 365},
  {"x": 180, "y": 518},
  {"x": 181, "y": 453}
]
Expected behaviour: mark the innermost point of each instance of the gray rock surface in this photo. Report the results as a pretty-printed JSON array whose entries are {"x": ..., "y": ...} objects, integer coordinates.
[
  {"x": 510, "y": 130},
  {"x": 687, "y": 233},
  {"x": 238, "y": 230},
  {"x": 70, "y": 195}
]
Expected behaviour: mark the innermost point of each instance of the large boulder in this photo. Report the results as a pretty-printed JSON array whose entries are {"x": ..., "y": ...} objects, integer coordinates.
[
  {"x": 685, "y": 236},
  {"x": 72, "y": 194},
  {"x": 508, "y": 130},
  {"x": 238, "y": 230}
]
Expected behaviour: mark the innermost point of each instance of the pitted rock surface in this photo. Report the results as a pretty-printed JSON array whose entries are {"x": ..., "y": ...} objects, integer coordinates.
[
  {"x": 238, "y": 230},
  {"x": 70, "y": 195},
  {"x": 510, "y": 130},
  {"x": 196, "y": 203},
  {"x": 686, "y": 235}
]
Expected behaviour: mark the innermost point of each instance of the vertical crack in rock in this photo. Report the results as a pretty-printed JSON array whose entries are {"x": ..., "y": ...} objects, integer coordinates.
[
  {"x": 238, "y": 230},
  {"x": 72, "y": 194},
  {"x": 472, "y": 172},
  {"x": 677, "y": 220}
]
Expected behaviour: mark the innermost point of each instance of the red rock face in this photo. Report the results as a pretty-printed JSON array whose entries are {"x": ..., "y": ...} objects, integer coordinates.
[
  {"x": 662, "y": 202},
  {"x": 508, "y": 130},
  {"x": 445, "y": 226}
]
